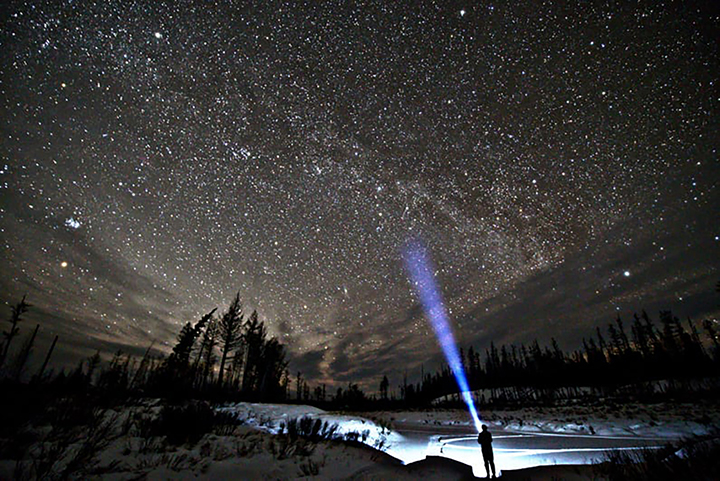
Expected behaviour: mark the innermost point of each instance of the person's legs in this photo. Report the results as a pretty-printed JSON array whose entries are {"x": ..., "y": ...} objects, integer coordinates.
[
  {"x": 492, "y": 465},
  {"x": 487, "y": 466}
]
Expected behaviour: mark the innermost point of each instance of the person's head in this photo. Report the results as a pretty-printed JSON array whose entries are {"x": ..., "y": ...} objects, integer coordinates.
[{"x": 484, "y": 427}]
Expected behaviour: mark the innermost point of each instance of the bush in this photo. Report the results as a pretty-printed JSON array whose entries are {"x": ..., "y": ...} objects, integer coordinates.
[
  {"x": 312, "y": 429},
  {"x": 224, "y": 423},
  {"x": 287, "y": 447},
  {"x": 185, "y": 423},
  {"x": 67, "y": 451},
  {"x": 310, "y": 468},
  {"x": 693, "y": 458}
]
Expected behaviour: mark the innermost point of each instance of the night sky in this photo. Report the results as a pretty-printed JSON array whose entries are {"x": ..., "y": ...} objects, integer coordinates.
[{"x": 560, "y": 162}]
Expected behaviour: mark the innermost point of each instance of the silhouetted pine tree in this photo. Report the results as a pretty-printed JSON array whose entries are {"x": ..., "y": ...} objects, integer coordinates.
[
  {"x": 384, "y": 384},
  {"x": 115, "y": 377},
  {"x": 711, "y": 331},
  {"x": 254, "y": 337},
  {"x": 641, "y": 338},
  {"x": 41, "y": 372},
  {"x": 229, "y": 333},
  {"x": 271, "y": 370},
  {"x": 22, "y": 356},
  {"x": 206, "y": 357},
  {"x": 299, "y": 386},
  {"x": 17, "y": 311},
  {"x": 177, "y": 375},
  {"x": 140, "y": 377},
  {"x": 237, "y": 365},
  {"x": 93, "y": 363},
  {"x": 179, "y": 359}
]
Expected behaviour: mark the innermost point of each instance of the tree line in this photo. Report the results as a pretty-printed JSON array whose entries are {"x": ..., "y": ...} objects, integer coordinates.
[
  {"x": 221, "y": 356},
  {"x": 230, "y": 356},
  {"x": 641, "y": 359},
  {"x": 644, "y": 360}
]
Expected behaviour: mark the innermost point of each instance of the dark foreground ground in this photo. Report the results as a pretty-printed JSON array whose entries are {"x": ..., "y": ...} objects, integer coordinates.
[{"x": 435, "y": 468}]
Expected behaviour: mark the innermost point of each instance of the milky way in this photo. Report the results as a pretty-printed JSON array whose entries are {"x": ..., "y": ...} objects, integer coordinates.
[{"x": 560, "y": 163}]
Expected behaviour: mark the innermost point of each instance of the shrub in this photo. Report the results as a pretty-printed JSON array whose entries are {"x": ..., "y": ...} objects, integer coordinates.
[
  {"x": 224, "y": 423},
  {"x": 68, "y": 451},
  {"x": 692, "y": 458},
  {"x": 310, "y": 468},
  {"x": 312, "y": 429},
  {"x": 287, "y": 447},
  {"x": 185, "y": 423}
]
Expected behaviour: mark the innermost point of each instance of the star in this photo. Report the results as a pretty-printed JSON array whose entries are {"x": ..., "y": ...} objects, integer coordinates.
[
  {"x": 72, "y": 223},
  {"x": 280, "y": 154}
]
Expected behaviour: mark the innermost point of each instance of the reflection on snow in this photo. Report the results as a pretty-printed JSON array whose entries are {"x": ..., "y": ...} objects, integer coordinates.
[
  {"x": 512, "y": 449},
  {"x": 465, "y": 450},
  {"x": 272, "y": 417}
]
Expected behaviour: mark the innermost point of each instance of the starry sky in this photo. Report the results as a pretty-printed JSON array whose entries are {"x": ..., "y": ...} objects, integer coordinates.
[{"x": 560, "y": 161}]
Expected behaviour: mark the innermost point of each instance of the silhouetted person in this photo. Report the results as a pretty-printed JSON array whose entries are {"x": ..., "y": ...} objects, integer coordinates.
[{"x": 485, "y": 441}]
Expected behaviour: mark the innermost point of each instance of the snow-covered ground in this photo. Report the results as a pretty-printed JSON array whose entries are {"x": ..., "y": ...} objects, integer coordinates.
[
  {"x": 523, "y": 438},
  {"x": 665, "y": 420},
  {"x": 395, "y": 442},
  {"x": 272, "y": 417}
]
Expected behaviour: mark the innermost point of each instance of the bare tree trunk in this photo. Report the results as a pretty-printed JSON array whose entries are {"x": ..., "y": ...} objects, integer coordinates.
[
  {"x": 142, "y": 368},
  {"x": 40, "y": 373},
  {"x": 24, "y": 354}
]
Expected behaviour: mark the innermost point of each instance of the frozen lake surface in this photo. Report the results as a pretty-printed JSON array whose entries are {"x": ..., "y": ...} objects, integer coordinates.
[
  {"x": 514, "y": 450},
  {"x": 534, "y": 442}
]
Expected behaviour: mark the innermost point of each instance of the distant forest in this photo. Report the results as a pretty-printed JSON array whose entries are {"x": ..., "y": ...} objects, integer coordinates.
[
  {"x": 231, "y": 357},
  {"x": 643, "y": 360}
]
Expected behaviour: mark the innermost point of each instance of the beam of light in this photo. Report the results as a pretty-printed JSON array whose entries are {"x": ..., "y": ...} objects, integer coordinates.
[{"x": 419, "y": 266}]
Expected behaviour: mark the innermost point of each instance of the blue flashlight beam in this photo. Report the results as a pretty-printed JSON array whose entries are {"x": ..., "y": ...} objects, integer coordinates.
[{"x": 419, "y": 266}]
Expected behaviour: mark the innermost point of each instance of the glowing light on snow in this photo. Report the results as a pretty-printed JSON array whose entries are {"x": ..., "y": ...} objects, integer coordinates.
[
  {"x": 419, "y": 266},
  {"x": 513, "y": 450}
]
